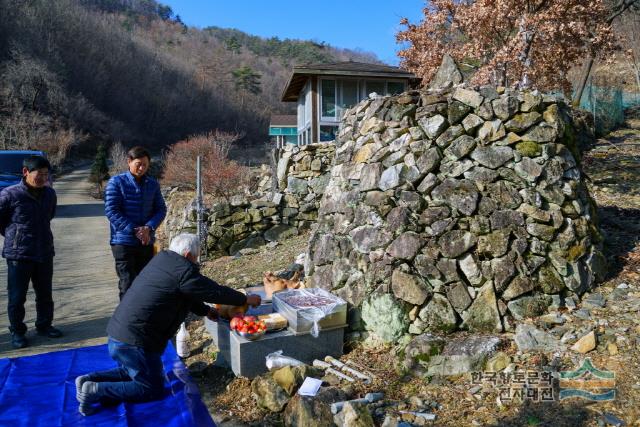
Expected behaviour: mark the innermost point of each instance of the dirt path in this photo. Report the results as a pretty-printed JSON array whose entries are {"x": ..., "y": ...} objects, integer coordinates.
[{"x": 85, "y": 288}]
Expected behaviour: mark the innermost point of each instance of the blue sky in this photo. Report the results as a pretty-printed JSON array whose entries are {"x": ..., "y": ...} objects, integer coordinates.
[{"x": 370, "y": 25}]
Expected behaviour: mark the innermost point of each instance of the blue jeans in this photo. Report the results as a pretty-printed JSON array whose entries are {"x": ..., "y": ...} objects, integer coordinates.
[
  {"x": 19, "y": 274},
  {"x": 139, "y": 376}
]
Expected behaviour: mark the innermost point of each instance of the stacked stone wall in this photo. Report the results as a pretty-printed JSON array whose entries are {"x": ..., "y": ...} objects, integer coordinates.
[
  {"x": 252, "y": 220},
  {"x": 463, "y": 208}
]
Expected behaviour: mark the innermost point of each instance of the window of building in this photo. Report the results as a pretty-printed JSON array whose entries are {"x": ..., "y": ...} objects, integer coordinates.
[
  {"x": 328, "y": 99},
  {"x": 394, "y": 88},
  {"x": 328, "y": 133},
  {"x": 375, "y": 86},
  {"x": 348, "y": 94}
]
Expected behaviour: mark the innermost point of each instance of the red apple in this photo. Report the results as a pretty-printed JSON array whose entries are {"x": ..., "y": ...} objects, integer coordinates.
[{"x": 236, "y": 322}]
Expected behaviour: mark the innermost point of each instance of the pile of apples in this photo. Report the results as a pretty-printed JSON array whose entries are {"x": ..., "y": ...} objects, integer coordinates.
[{"x": 247, "y": 324}]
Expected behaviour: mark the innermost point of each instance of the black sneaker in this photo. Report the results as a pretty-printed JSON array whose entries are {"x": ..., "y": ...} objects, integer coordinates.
[
  {"x": 50, "y": 332},
  {"x": 18, "y": 340}
]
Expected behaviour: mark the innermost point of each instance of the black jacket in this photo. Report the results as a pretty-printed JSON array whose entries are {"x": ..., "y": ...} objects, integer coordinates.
[
  {"x": 159, "y": 299},
  {"x": 25, "y": 223}
]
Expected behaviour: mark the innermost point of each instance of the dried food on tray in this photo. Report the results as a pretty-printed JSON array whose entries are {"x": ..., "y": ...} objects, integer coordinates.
[
  {"x": 307, "y": 300},
  {"x": 311, "y": 309}
]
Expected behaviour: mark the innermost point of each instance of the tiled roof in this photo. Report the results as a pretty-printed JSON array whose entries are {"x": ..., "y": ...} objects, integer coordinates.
[
  {"x": 352, "y": 66},
  {"x": 301, "y": 73}
]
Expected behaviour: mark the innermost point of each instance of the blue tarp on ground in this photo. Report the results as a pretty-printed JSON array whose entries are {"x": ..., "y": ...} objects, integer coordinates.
[{"x": 39, "y": 391}]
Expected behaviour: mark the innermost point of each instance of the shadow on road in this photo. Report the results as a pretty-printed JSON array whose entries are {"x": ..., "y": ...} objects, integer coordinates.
[
  {"x": 80, "y": 210},
  {"x": 622, "y": 234},
  {"x": 74, "y": 333}
]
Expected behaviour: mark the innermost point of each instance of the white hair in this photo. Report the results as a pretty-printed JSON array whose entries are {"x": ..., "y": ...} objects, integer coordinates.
[{"x": 185, "y": 242}]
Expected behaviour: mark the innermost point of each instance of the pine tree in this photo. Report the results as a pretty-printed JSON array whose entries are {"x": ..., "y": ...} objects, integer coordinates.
[{"x": 100, "y": 169}]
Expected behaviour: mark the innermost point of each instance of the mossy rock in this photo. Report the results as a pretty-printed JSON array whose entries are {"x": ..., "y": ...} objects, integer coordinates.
[
  {"x": 416, "y": 355},
  {"x": 385, "y": 316},
  {"x": 529, "y": 148},
  {"x": 596, "y": 235},
  {"x": 576, "y": 252},
  {"x": 424, "y": 358},
  {"x": 569, "y": 139},
  {"x": 550, "y": 281}
]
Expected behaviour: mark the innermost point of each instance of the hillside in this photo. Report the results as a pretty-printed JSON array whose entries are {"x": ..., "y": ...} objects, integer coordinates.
[{"x": 84, "y": 71}]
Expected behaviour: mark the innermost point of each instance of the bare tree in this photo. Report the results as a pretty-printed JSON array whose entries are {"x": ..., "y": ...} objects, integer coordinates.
[
  {"x": 616, "y": 9},
  {"x": 118, "y": 158}
]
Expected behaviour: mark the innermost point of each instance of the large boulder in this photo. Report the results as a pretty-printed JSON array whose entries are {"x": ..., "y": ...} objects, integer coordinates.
[
  {"x": 464, "y": 355},
  {"x": 307, "y": 411},
  {"x": 447, "y": 75},
  {"x": 385, "y": 316}
]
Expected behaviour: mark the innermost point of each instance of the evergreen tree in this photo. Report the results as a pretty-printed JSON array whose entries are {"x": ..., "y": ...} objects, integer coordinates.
[
  {"x": 100, "y": 169},
  {"x": 246, "y": 80},
  {"x": 233, "y": 45},
  {"x": 165, "y": 12}
]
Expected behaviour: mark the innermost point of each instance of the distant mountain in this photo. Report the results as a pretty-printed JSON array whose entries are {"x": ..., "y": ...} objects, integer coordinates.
[{"x": 130, "y": 70}]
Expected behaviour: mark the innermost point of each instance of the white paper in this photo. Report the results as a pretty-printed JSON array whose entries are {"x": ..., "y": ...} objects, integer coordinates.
[{"x": 309, "y": 387}]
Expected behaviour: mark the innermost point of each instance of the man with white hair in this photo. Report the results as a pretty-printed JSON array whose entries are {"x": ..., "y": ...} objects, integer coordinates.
[{"x": 148, "y": 316}]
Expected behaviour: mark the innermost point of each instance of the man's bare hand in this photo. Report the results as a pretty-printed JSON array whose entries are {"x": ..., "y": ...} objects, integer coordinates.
[
  {"x": 143, "y": 234},
  {"x": 213, "y": 314},
  {"x": 254, "y": 300}
]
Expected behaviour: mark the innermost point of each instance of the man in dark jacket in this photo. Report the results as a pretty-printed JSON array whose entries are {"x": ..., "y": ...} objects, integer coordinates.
[
  {"x": 150, "y": 314},
  {"x": 26, "y": 211},
  {"x": 135, "y": 208}
]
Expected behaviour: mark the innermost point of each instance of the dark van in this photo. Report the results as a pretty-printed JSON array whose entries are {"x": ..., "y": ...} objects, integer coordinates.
[{"x": 11, "y": 165}]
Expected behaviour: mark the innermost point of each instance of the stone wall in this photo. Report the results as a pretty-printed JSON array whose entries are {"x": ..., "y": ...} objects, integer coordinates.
[
  {"x": 303, "y": 174},
  {"x": 453, "y": 209},
  {"x": 251, "y": 220}
]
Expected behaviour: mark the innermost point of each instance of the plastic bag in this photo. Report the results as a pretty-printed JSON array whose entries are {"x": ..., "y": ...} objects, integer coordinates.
[
  {"x": 276, "y": 360},
  {"x": 316, "y": 313}
]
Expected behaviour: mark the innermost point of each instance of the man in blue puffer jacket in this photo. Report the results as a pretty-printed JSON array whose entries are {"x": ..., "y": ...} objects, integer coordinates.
[
  {"x": 135, "y": 208},
  {"x": 26, "y": 211}
]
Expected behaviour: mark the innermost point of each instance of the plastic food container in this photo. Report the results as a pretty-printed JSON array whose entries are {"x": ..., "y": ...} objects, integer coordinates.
[{"x": 303, "y": 307}]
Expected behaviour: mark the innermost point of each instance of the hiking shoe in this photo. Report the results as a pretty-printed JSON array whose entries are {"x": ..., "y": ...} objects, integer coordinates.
[
  {"x": 87, "y": 396},
  {"x": 79, "y": 382},
  {"x": 18, "y": 340},
  {"x": 50, "y": 332}
]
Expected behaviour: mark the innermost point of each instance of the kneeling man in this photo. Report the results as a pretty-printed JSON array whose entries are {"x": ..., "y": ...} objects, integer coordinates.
[{"x": 148, "y": 316}]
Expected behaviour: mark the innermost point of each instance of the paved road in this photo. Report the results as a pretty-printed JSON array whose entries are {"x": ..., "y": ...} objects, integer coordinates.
[{"x": 85, "y": 289}]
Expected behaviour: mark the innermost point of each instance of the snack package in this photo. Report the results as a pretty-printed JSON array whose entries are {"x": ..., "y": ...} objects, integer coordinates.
[{"x": 274, "y": 321}]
